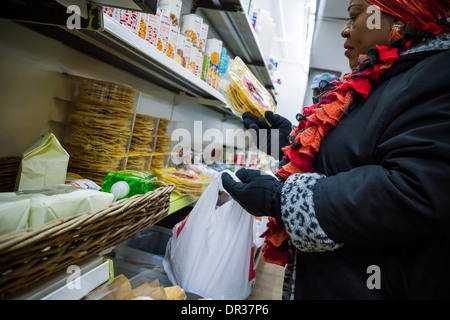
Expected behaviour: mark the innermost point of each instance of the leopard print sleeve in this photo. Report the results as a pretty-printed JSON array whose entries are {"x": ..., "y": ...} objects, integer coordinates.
[{"x": 298, "y": 215}]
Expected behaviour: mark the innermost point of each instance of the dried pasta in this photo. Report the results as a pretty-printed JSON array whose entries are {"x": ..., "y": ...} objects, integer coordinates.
[
  {"x": 187, "y": 184},
  {"x": 139, "y": 162},
  {"x": 101, "y": 117},
  {"x": 99, "y": 141},
  {"x": 107, "y": 93},
  {"x": 244, "y": 92}
]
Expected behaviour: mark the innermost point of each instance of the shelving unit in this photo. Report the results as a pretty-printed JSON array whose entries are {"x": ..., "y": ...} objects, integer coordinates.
[
  {"x": 232, "y": 25},
  {"x": 238, "y": 35},
  {"x": 120, "y": 48}
]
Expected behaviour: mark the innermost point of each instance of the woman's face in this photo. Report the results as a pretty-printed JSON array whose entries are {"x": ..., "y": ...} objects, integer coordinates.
[{"x": 360, "y": 38}]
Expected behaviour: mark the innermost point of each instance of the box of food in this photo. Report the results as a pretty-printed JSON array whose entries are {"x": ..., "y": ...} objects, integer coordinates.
[
  {"x": 193, "y": 61},
  {"x": 180, "y": 57},
  {"x": 143, "y": 25},
  {"x": 188, "y": 46},
  {"x": 163, "y": 33},
  {"x": 153, "y": 27},
  {"x": 203, "y": 36},
  {"x": 191, "y": 25},
  {"x": 172, "y": 9},
  {"x": 213, "y": 50},
  {"x": 108, "y": 11},
  {"x": 130, "y": 19},
  {"x": 199, "y": 63},
  {"x": 173, "y": 41}
]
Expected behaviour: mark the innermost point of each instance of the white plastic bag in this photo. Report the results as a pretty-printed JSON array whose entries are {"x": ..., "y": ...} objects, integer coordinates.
[
  {"x": 259, "y": 227},
  {"x": 210, "y": 253}
]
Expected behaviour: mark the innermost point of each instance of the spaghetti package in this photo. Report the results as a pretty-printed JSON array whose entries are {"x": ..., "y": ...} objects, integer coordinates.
[{"x": 244, "y": 92}]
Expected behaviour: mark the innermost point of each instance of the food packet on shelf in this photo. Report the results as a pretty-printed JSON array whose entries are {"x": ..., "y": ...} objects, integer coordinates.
[
  {"x": 44, "y": 164},
  {"x": 244, "y": 92},
  {"x": 33, "y": 208},
  {"x": 187, "y": 184}
]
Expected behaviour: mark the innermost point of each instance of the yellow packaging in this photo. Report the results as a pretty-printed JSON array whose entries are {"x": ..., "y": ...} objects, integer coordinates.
[
  {"x": 187, "y": 184},
  {"x": 244, "y": 92}
]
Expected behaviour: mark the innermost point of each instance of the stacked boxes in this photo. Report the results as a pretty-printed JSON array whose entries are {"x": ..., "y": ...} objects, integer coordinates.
[{"x": 183, "y": 38}]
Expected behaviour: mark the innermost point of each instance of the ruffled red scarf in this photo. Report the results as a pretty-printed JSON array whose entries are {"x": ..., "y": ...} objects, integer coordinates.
[{"x": 318, "y": 120}]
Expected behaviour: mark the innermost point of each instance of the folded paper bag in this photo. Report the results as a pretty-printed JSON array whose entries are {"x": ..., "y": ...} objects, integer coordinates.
[{"x": 44, "y": 164}]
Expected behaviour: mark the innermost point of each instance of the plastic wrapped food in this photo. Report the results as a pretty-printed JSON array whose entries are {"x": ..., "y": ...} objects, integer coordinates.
[
  {"x": 244, "y": 92},
  {"x": 187, "y": 184}
]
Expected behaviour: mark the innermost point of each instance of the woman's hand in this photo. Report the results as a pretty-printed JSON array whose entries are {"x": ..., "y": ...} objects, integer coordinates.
[
  {"x": 258, "y": 193},
  {"x": 277, "y": 132}
]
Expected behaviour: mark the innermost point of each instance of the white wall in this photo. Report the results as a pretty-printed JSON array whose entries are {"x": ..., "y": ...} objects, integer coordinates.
[
  {"x": 292, "y": 91},
  {"x": 328, "y": 47}
]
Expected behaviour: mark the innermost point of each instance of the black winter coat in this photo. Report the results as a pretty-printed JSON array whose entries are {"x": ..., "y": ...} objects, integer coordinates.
[{"x": 387, "y": 192}]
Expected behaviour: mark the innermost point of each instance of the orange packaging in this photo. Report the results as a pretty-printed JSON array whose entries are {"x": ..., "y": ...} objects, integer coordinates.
[
  {"x": 213, "y": 50},
  {"x": 143, "y": 25}
]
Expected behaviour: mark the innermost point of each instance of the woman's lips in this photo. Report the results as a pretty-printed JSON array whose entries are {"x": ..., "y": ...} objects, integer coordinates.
[{"x": 348, "y": 50}]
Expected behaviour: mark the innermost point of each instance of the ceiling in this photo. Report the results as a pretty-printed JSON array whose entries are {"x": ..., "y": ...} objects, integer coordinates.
[{"x": 332, "y": 9}]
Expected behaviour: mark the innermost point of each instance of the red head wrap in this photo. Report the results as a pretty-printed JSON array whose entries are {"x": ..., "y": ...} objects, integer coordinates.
[{"x": 421, "y": 14}]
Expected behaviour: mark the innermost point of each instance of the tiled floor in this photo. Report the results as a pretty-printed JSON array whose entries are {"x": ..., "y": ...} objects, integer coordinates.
[{"x": 269, "y": 282}]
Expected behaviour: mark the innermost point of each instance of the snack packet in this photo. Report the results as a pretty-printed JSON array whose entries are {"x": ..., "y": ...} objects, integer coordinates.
[
  {"x": 187, "y": 184},
  {"x": 244, "y": 92}
]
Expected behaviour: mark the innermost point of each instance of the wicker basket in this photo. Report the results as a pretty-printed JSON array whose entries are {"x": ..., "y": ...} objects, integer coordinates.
[{"x": 34, "y": 253}]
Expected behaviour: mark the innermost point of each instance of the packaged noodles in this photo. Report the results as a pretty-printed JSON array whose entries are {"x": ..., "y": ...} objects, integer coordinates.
[
  {"x": 187, "y": 184},
  {"x": 244, "y": 92}
]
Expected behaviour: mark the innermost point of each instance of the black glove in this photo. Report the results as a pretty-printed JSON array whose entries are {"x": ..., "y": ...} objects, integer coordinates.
[
  {"x": 258, "y": 193},
  {"x": 283, "y": 125}
]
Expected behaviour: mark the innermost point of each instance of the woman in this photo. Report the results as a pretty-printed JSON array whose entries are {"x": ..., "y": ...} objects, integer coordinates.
[{"x": 366, "y": 174}]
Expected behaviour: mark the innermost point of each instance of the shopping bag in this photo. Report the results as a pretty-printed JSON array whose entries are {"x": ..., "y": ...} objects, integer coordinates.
[{"x": 210, "y": 253}]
